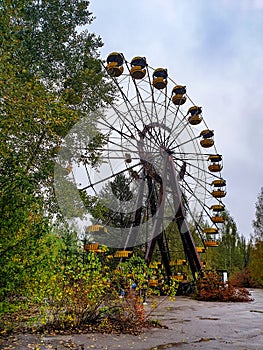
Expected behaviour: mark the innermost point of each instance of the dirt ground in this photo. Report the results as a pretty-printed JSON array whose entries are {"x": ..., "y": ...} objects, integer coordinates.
[{"x": 191, "y": 324}]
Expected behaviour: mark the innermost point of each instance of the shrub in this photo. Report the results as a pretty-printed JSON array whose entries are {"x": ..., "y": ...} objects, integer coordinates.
[
  {"x": 212, "y": 288},
  {"x": 243, "y": 279}
]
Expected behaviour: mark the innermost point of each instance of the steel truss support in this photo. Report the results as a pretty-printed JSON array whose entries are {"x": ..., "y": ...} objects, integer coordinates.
[{"x": 158, "y": 235}]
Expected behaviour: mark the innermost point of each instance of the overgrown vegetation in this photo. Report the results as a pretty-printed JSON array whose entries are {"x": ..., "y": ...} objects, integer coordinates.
[
  {"x": 80, "y": 293},
  {"x": 237, "y": 256},
  {"x": 212, "y": 288},
  {"x": 256, "y": 265}
]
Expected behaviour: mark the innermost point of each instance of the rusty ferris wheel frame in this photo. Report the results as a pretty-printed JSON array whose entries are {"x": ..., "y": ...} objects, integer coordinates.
[{"x": 169, "y": 153}]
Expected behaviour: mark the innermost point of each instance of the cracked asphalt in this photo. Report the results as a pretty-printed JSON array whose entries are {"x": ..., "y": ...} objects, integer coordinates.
[{"x": 190, "y": 324}]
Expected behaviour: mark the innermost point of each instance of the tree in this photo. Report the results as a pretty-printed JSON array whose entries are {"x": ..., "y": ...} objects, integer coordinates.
[
  {"x": 46, "y": 59},
  {"x": 114, "y": 203},
  {"x": 258, "y": 222},
  {"x": 256, "y": 265},
  {"x": 50, "y": 40},
  {"x": 232, "y": 254},
  {"x": 50, "y": 79}
]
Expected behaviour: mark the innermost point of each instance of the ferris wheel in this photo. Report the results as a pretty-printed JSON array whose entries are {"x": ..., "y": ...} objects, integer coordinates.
[{"x": 157, "y": 137}]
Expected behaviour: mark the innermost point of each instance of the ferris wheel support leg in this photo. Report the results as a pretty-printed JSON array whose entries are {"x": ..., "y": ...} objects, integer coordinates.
[
  {"x": 180, "y": 218},
  {"x": 135, "y": 228},
  {"x": 164, "y": 253},
  {"x": 157, "y": 211}
]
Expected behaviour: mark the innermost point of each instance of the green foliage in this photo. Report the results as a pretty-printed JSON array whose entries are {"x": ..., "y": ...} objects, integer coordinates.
[
  {"x": 114, "y": 200},
  {"x": 134, "y": 270},
  {"x": 120, "y": 188},
  {"x": 258, "y": 222},
  {"x": 50, "y": 39},
  {"x": 44, "y": 53},
  {"x": 70, "y": 289},
  {"x": 27, "y": 249},
  {"x": 79, "y": 291},
  {"x": 41, "y": 49},
  {"x": 256, "y": 265},
  {"x": 233, "y": 252},
  {"x": 75, "y": 294}
]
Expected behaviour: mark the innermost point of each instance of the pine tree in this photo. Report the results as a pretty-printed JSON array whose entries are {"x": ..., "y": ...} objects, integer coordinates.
[{"x": 116, "y": 196}]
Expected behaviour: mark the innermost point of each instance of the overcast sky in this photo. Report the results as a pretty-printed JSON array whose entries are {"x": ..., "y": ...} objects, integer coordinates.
[{"x": 215, "y": 48}]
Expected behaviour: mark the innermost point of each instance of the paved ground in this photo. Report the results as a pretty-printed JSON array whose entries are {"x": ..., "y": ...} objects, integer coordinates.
[{"x": 191, "y": 325}]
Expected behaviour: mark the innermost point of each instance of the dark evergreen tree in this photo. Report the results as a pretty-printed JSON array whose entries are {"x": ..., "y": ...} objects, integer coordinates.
[
  {"x": 115, "y": 198},
  {"x": 258, "y": 222}
]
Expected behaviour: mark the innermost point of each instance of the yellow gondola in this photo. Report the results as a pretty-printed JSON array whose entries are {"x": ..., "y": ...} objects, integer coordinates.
[
  {"x": 219, "y": 183},
  {"x": 207, "y": 140},
  {"x": 181, "y": 277},
  {"x": 218, "y": 193},
  {"x": 160, "y": 78},
  {"x": 217, "y": 207},
  {"x": 96, "y": 228},
  {"x": 215, "y": 165},
  {"x": 114, "y": 64},
  {"x": 211, "y": 243},
  {"x": 218, "y": 219},
  {"x": 95, "y": 248},
  {"x": 91, "y": 247},
  {"x": 138, "y": 65},
  {"x": 210, "y": 230},
  {"x": 178, "y": 93},
  {"x": 123, "y": 253},
  {"x": 195, "y": 117}
]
